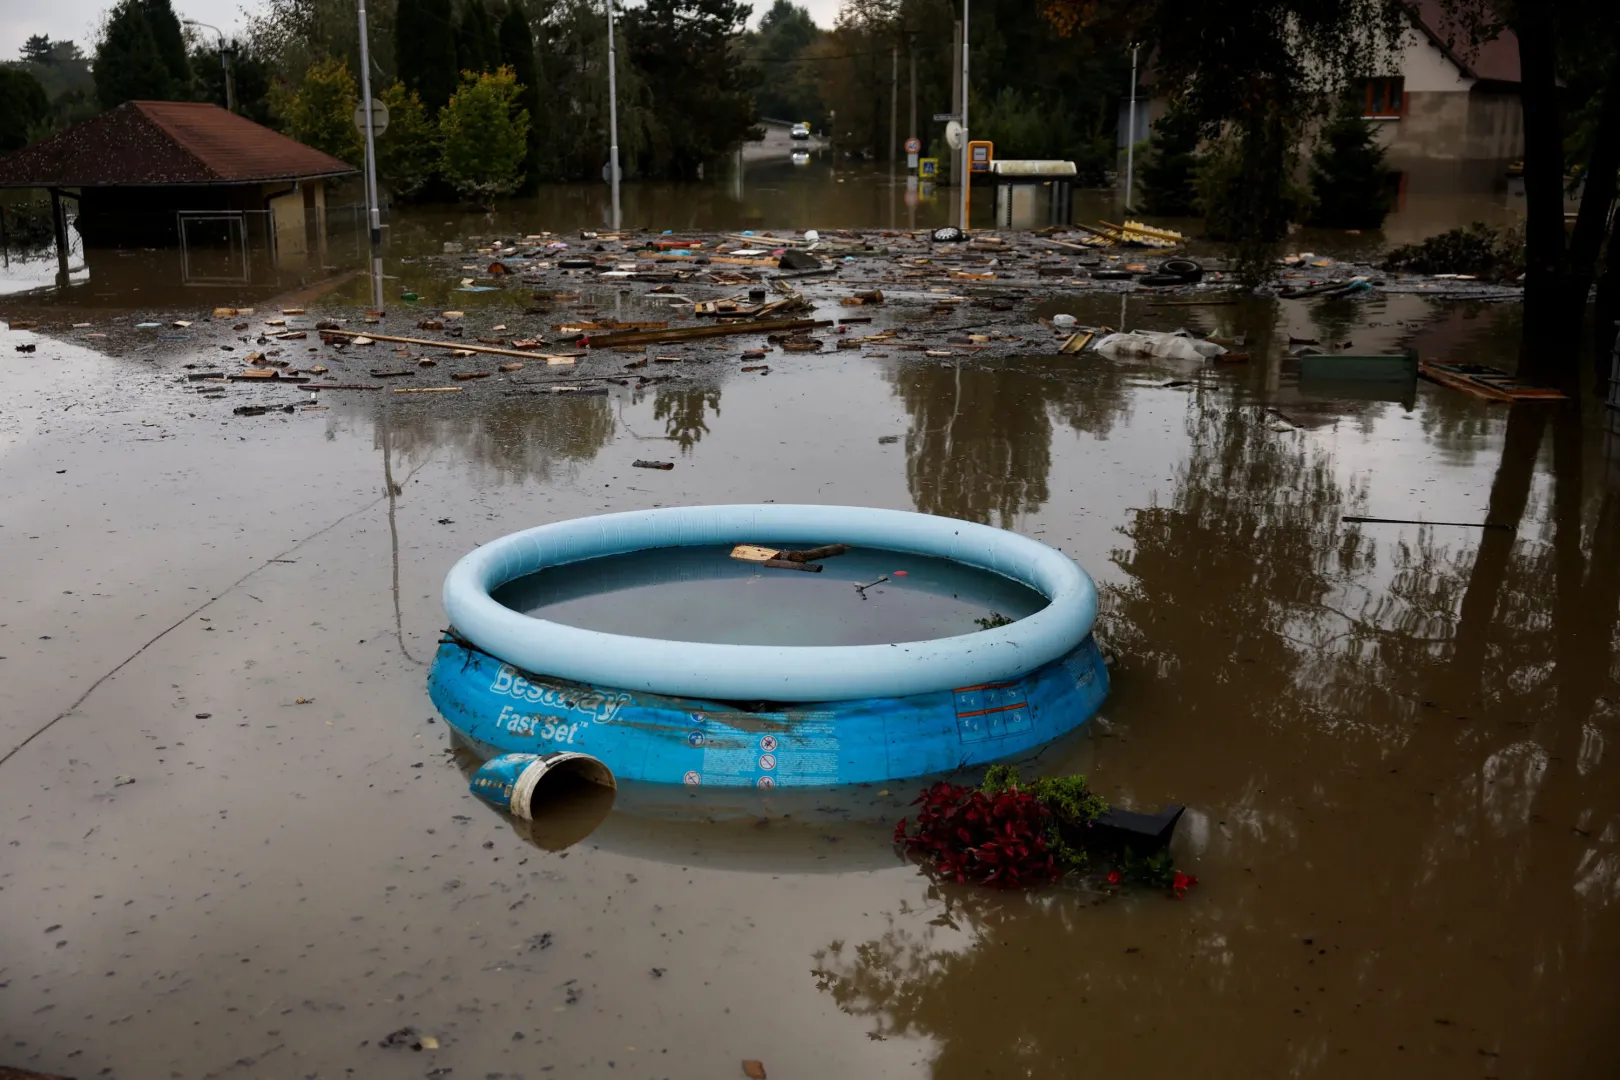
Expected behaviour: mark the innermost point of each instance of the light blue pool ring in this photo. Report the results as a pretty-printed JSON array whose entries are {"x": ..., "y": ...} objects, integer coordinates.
[{"x": 770, "y": 673}]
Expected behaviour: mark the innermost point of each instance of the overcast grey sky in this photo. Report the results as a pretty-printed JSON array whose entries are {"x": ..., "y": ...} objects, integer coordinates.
[{"x": 77, "y": 20}]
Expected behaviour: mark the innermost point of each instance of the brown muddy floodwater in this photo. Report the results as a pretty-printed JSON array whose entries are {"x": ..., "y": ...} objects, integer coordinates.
[{"x": 236, "y": 842}]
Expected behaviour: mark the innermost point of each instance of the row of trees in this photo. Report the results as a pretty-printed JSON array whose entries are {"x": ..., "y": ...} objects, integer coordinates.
[
  {"x": 1032, "y": 93},
  {"x": 685, "y": 90},
  {"x": 1182, "y": 175}
]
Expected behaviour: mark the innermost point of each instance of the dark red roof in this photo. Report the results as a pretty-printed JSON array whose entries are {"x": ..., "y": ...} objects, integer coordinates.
[
  {"x": 159, "y": 143},
  {"x": 1496, "y": 60}
]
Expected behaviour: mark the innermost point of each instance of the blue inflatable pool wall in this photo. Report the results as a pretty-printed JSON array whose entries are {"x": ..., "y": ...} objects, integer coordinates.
[
  {"x": 766, "y": 716},
  {"x": 499, "y": 709}
]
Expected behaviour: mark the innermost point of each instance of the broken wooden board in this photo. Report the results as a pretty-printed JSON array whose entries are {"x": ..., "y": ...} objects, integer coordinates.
[
  {"x": 652, "y": 337},
  {"x": 1484, "y": 382},
  {"x": 754, "y": 553}
]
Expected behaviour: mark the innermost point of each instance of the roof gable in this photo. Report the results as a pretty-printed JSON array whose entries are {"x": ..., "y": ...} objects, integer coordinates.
[
  {"x": 156, "y": 143},
  {"x": 1496, "y": 60}
]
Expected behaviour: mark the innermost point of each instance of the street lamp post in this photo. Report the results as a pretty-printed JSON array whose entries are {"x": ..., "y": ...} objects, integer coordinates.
[
  {"x": 373, "y": 207},
  {"x": 967, "y": 165},
  {"x": 1130, "y": 140},
  {"x": 613, "y": 118},
  {"x": 225, "y": 53}
]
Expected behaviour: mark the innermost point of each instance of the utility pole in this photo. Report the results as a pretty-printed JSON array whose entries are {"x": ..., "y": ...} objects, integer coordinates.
[
  {"x": 911, "y": 59},
  {"x": 613, "y": 117},
  {"x": 894, "y": 100},
  {"x": 956, "y": 96},
  {"x": 373, "y": 208},
  {"x": 1130, "y": 138},
  {"x": 967, "y": 177}
]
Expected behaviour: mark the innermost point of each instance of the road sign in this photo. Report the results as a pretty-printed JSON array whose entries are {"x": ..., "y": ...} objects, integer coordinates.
[
  {"x": 607, "y": 173},
  {"x": 379, "y": 117},
  {"x": 913, "y": 146},
  {"x": 941, "y": 117},
  {"x": 928, "y": 168}
]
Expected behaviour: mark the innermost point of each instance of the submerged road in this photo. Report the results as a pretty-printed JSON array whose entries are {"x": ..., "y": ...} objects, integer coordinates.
[{"x": 236, "y": 843}]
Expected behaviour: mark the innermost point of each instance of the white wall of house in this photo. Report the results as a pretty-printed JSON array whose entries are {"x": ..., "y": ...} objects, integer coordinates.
[{"x": 1453, "y": 134}]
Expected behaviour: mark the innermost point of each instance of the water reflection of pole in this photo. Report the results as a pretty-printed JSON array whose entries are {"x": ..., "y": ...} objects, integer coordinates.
[
  {"x": 373, "y": 211},
  {"x": 613, "y": 117}
]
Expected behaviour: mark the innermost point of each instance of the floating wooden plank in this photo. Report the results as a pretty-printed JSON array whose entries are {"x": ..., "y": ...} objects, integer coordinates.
[
  {"x": 456, "y": 345},
  {"x": 686, "y": 333},
  {"x": 1076, "y": 342},
  {"x": 1484, "y": 382},
  {"x": 754, "y": 553}
]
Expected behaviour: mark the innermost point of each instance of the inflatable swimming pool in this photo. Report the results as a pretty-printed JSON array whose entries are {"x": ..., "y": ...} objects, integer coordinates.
[{"x": 765, "y": 716}]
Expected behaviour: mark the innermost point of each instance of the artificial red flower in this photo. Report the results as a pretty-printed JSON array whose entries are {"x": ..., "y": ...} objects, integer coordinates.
[
  {"x": 1115, "y": 877},
  {"x": 1181, "y": 883}
]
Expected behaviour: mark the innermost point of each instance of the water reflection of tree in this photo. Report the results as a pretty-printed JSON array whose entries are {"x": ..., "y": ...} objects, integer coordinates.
[
  {"x": 685, "y": 414},
  {"x": 521, "y": 438},
  {"x": 1411, "y": 731},
  {"x": 980, "y": 442}
]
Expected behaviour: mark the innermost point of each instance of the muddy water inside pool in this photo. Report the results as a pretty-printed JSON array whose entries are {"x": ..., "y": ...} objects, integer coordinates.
[
  {"x": 863, "y": 597},
  {"x": 1393, "y": 740}
]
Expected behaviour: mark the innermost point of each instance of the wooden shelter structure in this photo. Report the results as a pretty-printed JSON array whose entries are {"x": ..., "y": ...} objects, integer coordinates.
[{"x": 166, "y": 173}]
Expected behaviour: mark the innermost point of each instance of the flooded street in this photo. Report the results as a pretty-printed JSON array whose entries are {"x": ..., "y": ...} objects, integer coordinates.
[{"x": 238, "y": 843}]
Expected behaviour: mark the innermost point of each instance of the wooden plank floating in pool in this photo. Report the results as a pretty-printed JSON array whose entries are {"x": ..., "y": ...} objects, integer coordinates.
[{"x": 754, "y": 553}]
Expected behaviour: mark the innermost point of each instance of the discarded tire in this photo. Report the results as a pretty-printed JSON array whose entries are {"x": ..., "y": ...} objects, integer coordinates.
[
  {"x": 950, "y": 234},
  {"x": 1186, "y": 270}
]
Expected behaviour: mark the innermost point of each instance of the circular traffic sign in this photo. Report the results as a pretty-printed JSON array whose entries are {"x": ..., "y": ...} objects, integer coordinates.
[
  {"x": 379, "y": 117},
  {"x": 913, "y": 146}
]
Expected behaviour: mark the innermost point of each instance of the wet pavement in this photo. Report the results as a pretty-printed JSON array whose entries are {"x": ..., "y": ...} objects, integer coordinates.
[{"x": 236, "y": 842}]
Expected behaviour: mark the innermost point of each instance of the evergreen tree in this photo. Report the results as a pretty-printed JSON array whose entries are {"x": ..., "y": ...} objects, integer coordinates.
[
  {"x": 128, "y": 65},
  {"x": 1166, "y": 176},
  {"x": 477, "y": 48},
  {"x": 425, "y": 51},
  {"x": 23, "y": 106},
  {"x": 788, "y": 89},
  {"x": 517, "y": 52},
  {"x": 1348, "y": 177},
  {"x": 320, "y": 112},
  {"x": 485, "y": 135},
  {"x": 171, "y": 42},
  {"x": 700, "y": 91},
  {"x": 408, "y": 152},
  {"x": 36, "y": 49}
]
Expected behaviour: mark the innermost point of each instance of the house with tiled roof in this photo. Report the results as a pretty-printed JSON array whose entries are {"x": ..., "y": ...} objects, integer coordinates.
[{"x": 168, "y": 173}]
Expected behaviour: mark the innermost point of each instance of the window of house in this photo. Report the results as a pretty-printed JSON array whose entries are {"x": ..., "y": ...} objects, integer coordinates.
[{"x": 1385, "y": 99}]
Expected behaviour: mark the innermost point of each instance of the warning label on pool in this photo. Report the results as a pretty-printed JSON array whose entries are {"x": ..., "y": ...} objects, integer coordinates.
[{"x": 804, "y": 755}]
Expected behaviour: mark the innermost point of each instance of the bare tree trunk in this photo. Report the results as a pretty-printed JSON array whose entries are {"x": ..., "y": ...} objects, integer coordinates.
[
  {"x": 1602, "y": 178},
  {"x": 1606, "y": 313},
  {"x": 1544, "y": 309}
]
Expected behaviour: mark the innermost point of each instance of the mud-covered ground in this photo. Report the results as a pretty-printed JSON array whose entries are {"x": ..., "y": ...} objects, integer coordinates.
[{"x": 235, "y": 842}]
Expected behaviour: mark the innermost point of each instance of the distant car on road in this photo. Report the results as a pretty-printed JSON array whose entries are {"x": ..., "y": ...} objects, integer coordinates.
[{"x": 799, "y": 131}]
